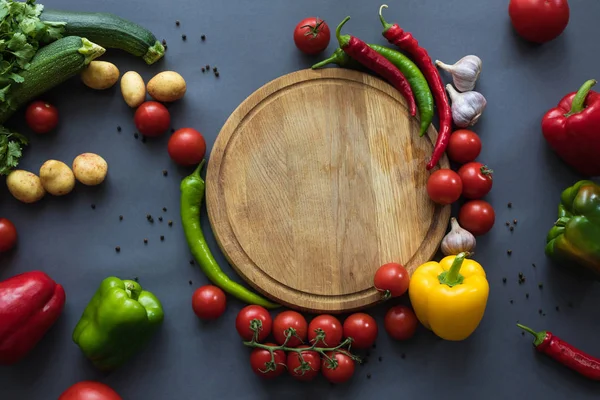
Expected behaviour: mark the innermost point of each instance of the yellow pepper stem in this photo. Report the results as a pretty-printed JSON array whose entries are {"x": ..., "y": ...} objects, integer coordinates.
[{"x": 452, "y": 277}]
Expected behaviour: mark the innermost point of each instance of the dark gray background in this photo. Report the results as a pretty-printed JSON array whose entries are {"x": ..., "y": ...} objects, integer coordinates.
[{"x": 251, "y": 43}]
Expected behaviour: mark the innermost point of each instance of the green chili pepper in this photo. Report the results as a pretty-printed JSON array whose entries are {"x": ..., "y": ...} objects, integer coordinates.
[
  {"x": 413, "y": 74},
  {"x": 192, "y": 194}
]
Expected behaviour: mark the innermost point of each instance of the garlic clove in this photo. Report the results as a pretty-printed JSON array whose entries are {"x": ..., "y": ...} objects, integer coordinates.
[
  {"x": 466, "y": 107},
  {"x": 465, "y": 72},
  {"x": 458, "y": 240}
]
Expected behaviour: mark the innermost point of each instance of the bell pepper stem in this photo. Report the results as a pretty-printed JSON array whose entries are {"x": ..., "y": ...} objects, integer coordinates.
[
  {"x": 386, "y": 25},
  {"x": 539, "y": 336},
  {"x": 342, "y": 39},
  {"x": 133, "y": 293},
  {"x": 452, "y": 277},
  {"x": 579, "y": 99}
]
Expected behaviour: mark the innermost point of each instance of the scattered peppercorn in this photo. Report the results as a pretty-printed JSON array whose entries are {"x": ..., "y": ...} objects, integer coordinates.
[
  {"x": 148, "y": 217},
  {"x": 540, "y": 311},
  {"x": 191, "y": 262},
  {"x": 214, "y": 69},
  {"x": 143, "y": 139},
  {"x": 136, "y": 279},
  {"x": 512, "y": 228},
  {"x": 369, "y": 376},
  {"x": 118, "y": 249},
  {"x": 118, "y": 128},
  {"x": 177, "y": 22},
  {"x": 380, "y": 359},
  {"x": 216, "y": 74},
  {"x": 184, "y": 37},
  {"x": 526, "y": 295},
  {"x": 544, "y": 314},
  {"x": 515, "y": 221},
  {"x": 507, "y": 223},
  {"x": 374, "y": 345},
  {"x": 533, "y": 265},
  {"x": 511, "y": 301},
  {"x": 203, "y": 70},
  {"x": 135, "y": 135},
  {"x": 160, "y": 219},
  {"x": 170, "y": 223},
  {"x": 503, "y": 280},
  {"x": 207, "y": 67},
  {"x": 509, "y": 205},
  {"x": 164, "y": 209},
  {"x": 190, "y": 282},
  {"x": 162, "y": 238},
  {"x": 145, "y": 241},
  {"x": 521, "y": 278},
  {"x": 165, "y": 173},
  {"x": 203, "y": 37},
  {"x": 522, "y": 333},
  {"x": 557, "y": 308},
  {"x": 172, "y": 130},
  {"x": 166, "y": 47},
  {"x": 403, "y": 356},
  {"x": 120, "y": 218},
  {"x": 164, "y": 42},
  {"x": 541, "y": 285},
  {"x": 509, "y": 252},
  {"x": 93, "y": 206}
]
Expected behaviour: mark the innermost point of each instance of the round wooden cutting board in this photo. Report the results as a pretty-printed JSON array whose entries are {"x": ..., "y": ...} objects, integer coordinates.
[{"x": 316, "y": 180}]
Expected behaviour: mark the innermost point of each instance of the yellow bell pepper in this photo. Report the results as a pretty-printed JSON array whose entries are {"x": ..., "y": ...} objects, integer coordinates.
[{"x": 450, "y": 297}]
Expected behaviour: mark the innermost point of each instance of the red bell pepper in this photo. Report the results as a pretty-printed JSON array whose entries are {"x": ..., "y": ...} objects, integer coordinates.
[
  {"x": 573, "y": 129},
  {"x": 30, "y": 303}
]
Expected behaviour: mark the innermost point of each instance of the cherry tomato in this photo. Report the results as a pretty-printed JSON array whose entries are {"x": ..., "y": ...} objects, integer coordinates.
[
  {"x": 289, "y": 319},
  {"x": 260, "y": 361},
  {"x": 308, "y": 372},
  {"x": 401, "y": 322},
  {"x": 444, "y": 186},
  {"x": 312, "y": 35},
  {"x": 330, "y": 325},
  {"x": 362, "y": 328},
  {"x": 245, "y": 317},
  {"x": 187, "y": 147},
  {"x": 340, "y": 373},
  {"x": 8, "y": 235},
  {"x": 152, "y": 119},
  {"x": 539, "y": 21},
  {"x": 41, "y": 117},
  {"x": 90, "y": 390},
  {"x": 464, "y": 146},
  {"x": 392, "y": 278},
  {"x": 477, "y": 216},
  {"x": 208, "y": 302},
  {"x": 476, "y": 179}
]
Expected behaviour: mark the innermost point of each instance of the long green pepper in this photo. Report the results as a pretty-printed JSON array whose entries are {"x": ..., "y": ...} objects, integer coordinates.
[
  {"x": 192, "y": 194},
  {"x": 413, "y": 74}
]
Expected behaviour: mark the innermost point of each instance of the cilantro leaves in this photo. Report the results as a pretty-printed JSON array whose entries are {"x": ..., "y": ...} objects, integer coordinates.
[{"x": 10, "y": 149}]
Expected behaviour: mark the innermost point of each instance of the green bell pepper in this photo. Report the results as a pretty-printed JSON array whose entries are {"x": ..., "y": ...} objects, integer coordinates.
[
  {"x": 575, "y": 237},
  {"x": 117, "y": 322}
]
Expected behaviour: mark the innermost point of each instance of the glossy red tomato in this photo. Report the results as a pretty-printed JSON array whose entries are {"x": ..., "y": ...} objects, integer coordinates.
[
  {"x": 392, "y": 278},
  {"x": 90, "y": 390},
  {"x": 477, "y": 180},
  {"x": 477, "y": 216},
  {"x": 8, "y": 235},
  {"x": 187, "y": 147},
  {"x": 539, "y": 21},
  {"x": 464, "y": 146},
  {"x": 263, "y": 366},
  {"x": 312, "y": 35},
  {"x": 401, "y": 322},
  {"x": 340, "y": 373},
  {"x": 362, "y": 328},
  {"x": 290, "y": 319},
  {"x": 444, "y": 186},
  {"x": 209, "y": 302},
  {"x": 41, "y": 117},
  {"x": 330, "y": 325},
  {"x": 152, "y": 119},
  {"x": 245, "y": 318},
  {"x": 307, "y": 372}
]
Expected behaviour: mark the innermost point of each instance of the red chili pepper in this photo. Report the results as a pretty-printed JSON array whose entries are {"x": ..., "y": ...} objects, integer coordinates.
[
  {"x": 30, "y": 303},
  {"x": 361, "y": 52},
  {"x": 545, "y": 342},
  {"x": 405, "y": 41}
]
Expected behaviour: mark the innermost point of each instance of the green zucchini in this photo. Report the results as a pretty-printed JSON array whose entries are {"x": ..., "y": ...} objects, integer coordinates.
[
  {"x": 109, "y": 31},
  {"x": 51, "y": 65}
]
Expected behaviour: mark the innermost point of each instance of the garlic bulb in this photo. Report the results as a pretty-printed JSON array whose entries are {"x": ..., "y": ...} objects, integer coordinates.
[
  {"x": 457, "y": 240},
  {"x": 465, "y": 72},
  {"x": 467, "y": 107}
]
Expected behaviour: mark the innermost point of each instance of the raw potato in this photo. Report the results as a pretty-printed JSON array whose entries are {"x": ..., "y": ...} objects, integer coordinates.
[
  {"x": 133, "y": 89},
  {"x": 167, "y": 86},
  {"x": 90, "y": 169},
  {"x": 25, "y": 186},
  {"x": 100, "y": 75},
  {"x": 57, "y": 178}
]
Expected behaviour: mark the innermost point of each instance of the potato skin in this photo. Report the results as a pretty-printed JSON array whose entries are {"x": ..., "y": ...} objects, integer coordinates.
[
  {"x": 90, "y": 169},
  {"x": 57, "y": 178},
  {"x": 167, "y": 86},
  {"x": 100, "y": 75},
  {"x": 25, "y": 186},
  {"x": 133, "y": 89}
]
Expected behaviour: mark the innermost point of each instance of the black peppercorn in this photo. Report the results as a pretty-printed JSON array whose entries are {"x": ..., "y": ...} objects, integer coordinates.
[
  {"x": 369, "y": 376},
  {"x": 203, "y": 70},
  {"x": 526, "y": 295},
  {"x": 160, "y": 219},
  {"x": 216, "y": 74},
  {"x": 148, "y": 217},
  {"x": 184, "y": 37},
  {"x": 190, "y": 282},
  {"x": 207, "y": 67},
  {"x": 509, "y": 252},
  {"x": 191, "y": 262},
  {"x": 164, "y": 42},
  {"x": 170, "y": 223},
  {"x": 136, "y": 279},
  {"x": 512, "y": 228},
  {"x": 504, "y": 280},
  {"x": 515, "y": 221},
  {"x": 172, "y": 130},
  {"x": 403, "y": 356},
  {"x": 118, "y": 129},
  {"x": 118, "y": 249},
  {"x": 507, "y": 223},
  {"x": 93, "y": 206},
  {"x": 162, "y": 238},
  {"x": 203, "y": 37},
  {"x": 165, "y": 173},
  {"x": 135, "y": 135},
  {"x": 143, "y": 139},
  {"x": 541, "y": 285},
  {"x": 557, "y": 308},
  {"x": 509, "y": 205},
  {"x": 145, "y": 241},
  {"x": 540, "y": 311},
  {"x": 177, "y": 22},
  {"x": 380, "y": 359},
  {"x": 511, "y": 301},
  {"x": 214, "y": 69},
  {"x": 164, "y": 209}
]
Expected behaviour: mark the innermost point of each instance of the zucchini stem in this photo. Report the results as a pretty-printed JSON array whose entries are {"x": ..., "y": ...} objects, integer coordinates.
[
  {"x": 154, "y": 53},
  {"x": 90, "y": 50}
]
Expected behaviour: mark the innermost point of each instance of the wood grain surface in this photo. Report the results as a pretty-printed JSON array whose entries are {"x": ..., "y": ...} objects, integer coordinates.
[{"x": 316, "y": 180}]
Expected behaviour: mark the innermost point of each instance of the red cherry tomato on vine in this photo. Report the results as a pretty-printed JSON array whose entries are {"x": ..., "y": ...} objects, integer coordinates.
[
  {"x": 290, "y": 319},
  {"x": 89, "y": 390},
  {"x": 477, "y": 216},
  {"x": 245, "y": 317},
  {"x": 8, "y": 235},
  {"x": 392, "y": 279},
  {"x": 340, "y": 373},
  {"x": 476, "y": 179},
  {"x": 539, "y": 21},
  {"x": 330, "y": 325},
  {"x": 187, "y": 147},
  {"x": 401, "y": 322},
  {"x": 312, "y": 35},
  {"x": 209, "y": 302},
  {"x": 41, "y": 117},
  {"x": 309, "y": 371},
  {"x": 464, "y": 146},
  {"x": 263, "y": 366},
  {"x": 152, "y": 119},
  {"x": 362, "y": 328},
  {"x": 444, "y": 186}
]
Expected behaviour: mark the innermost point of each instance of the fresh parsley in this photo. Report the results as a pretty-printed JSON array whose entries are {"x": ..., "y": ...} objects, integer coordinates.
[{"x": 11, "y": 144}]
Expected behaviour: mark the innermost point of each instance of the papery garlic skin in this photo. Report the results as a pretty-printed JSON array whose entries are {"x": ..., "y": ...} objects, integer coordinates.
[
  {"x": 465, "y": 72},
  {"x": 458, "y": 240},
  {"x": 467, "y": 107}
]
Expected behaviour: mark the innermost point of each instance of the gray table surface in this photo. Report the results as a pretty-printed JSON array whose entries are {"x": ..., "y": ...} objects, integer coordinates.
[{"x": 251, "y": 43}]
